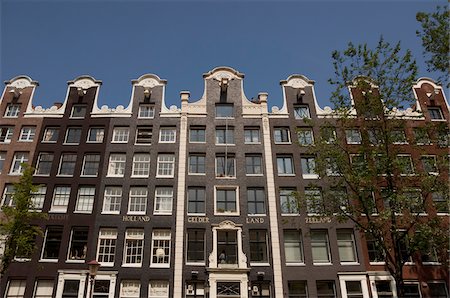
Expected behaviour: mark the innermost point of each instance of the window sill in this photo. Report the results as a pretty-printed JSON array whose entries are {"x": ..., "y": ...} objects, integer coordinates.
[
  {"x": 172, "y": 142},
  {"x": 197, "y": 174},
  {"x": 165, "y": 176},
  {"x": 295, "y": 264},
  {"x": 252, "y": 143},
  {"x": 71, "y": 144},
  {"x": 377, "y": 263},
  {"x": 76, "y": 261},
  {"x": 64, "y": 175},
  {"x": 82, "y": 212},
  {"x": 290, "y": 214},
  {"x": 350, "y": 263},
  {"x": 159, "y": 265},
  {"x": 195, "y": 264},
  {"x": 124, "y": 142},
  {"x": 41, "y": 175},
  {"x": 92, "y": 142},
  {"x": 196, "y": 214},
  {"x": 110, "y": 212},
  {"x": 139, "y": 177},
  {"x": 254, "y": 175},
  {"x": 25, "y": 141},
  {"x": 132, "y": 265},
  {"x": 48, "y": 261},
  {"x": 106, "y": 264},
  {"x": 136, "y": 213},
  {"x": 58, "y": 211},
  {"x": 226, "y": 214},
  {"x": 259, "y": 264},
  {"x": 443, "y": 214},
  {"x": 286, "y": 175},
  {"x": 438, "y": 120},
  {"x": 88, "y": 176},
  {"x": 142, "y": 144},
  {"x": 162, "y": 214},
  {"x": 310, "y": 176},
  {"x": 225, "y": 177},
  {"x": 222, "y": 144},
  {"x": 48, "y": 142},
  {"x": 431, "y": 263},
  {"x": 257, "y": 215},
  {"x": 22, "y": 260},
  {"x": 322, "y": 264},
  {"x": 283, "y": 143},
  {"x": 114, "y": 176}
]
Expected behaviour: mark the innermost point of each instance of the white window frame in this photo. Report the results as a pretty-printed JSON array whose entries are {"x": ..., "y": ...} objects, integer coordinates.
[
  {"x": 285, "y": 195},
  {"x": 283, "y": 132},
  {"x": 117, "y": 165},
  {"x": 226, "y": 212},
  {"x": 160, "y": 249},
  {"x": 439, "y": 111},
  {"x": 107, "y": 239},
  {"x": 44, "y": 244},
  {"x": 196, "y": 156},
  {"x": 410, "y": 163},
  {"x": 163, "y": 198},
  {"x": 285, "y": 158},
  {"x": 228, "y": 136},
  {"x": 254, "y": 165},
  {"x": 68, "y": 129},
  {"x": 18, "y": 159},
  {"x": 308, "y": 165},
  {"x": 134, "y": 292},
  {"x": 196, "y": 200},
  {"x": 61, "y": 164},
  {"x": 147, "y": 113},
  {"x": 252, "y": 139},
  {"x": 12, "y": 110},
  {"x": 40, "y": 161},
  {"x": 298, "y": 115},
  {"x": 62, "y": 195},
  {"x": 120, "y": 135},
  {"x": 165, "y": 166},
  {"x": 8, "y": 192},
  {"x": 167, "y": 135},
  {"x": 69, "y": 247},
  {"x": 49, "y": 132},
  {"x": 141, "y": 165},
  {"x": 131, "y": 235},
  {"x": 422, "y": 157},
  {"x": 226, "y": 160},
  {"x": 27, "y": 133},
  {"x": 353, "y": 136},
  {"x": 197, "y": 129},
  {"x": 304, "y": 135},
  {"x": 358, "y": 278},
  {"x": 38, "y": 198},
  {"x": 378, "y": 277},
  {"x": 158, "y": 289},
  {"x": 402, "y": 133},
  {"x": 84, "y": 164},
  {"x": 83, "y": 109},
  {"x": 98, "y": 138},
  {"x": 8, "y": 134},
  {"x": 341, "y": 245},
  {"x": 112, "y": 193},
  {"x": 138, "y": 199},
  {"x": 85, "y": 199}
]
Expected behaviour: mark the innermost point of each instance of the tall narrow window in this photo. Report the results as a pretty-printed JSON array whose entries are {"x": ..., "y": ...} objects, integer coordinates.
[
  {"x": 196, "y": 200},
  {"x": 227, "y": 247},
  {"x": 134, "y": 247},
  {"x": 297, "y": 289},
  {"x": 67, "y": 164},
  {"x": 141, "y": 165},
  {"x": 197, "y": 163},
  {"x": 282, "y": 135},
  {"x": 195, "y": 246},
  {"x": 61, "y": 195},
  {"x": 8, "y": 192},
  {"x": 2, "y": 160},
  {"x": 163, "y": 201},
  {"x": 405, "y": 165},
  {"x": 44, "y": 164},
  {"x": 258, "y": 246},
  {"x": 253, "y": 164},
  {"x": 293, "y": 247},
  {"x": 252, "y": 135},
  {"x": 435, "y": 113},
  {"x": 6, "y": 134},
  {"x": 288, "y": 201},
  {"x": 166, "y": 166},
  {"x": 314, "y": 201},
  {"x": 91, "y": 164},
  {"x": 325, "y": 289},
  {"x": 116, "y": 167},
  {"x": 160, "y": 248},
  {"x": 285, "y": 165},
  {"x": 16, "y": 288},
  {"x": 374, "y": 249},
  {"x": 354, "y": 289},
  {"x": 52, "y": 242},
  {"x": 346, "y": 246},
  {"x": 43, "y": 289},
  {"x": 78, "y": 243},
  {"x": 429, "y": 164},
  {"x": 225, "y": 166},
  {"x": 106, "y": 250},
  {"x": 305, "y": 137},
  {"x": 421, "y": 136},
  {"x": 398, "y": 136},
  {"x": 112, "y": 199},
  {"x": 85, "y": 199},
  {"x": 16, "y": 165},
  {"x": 38, "y": 198},
  {"x": 320, "y": 246},
  {"x": 138, "y": 200},
  {"x": 309, "y": 167},
  {"x": 256, "y": 201}
]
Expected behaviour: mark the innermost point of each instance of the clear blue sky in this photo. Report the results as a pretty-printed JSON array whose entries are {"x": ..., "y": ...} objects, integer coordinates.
[{"x": 117, "y": 41}]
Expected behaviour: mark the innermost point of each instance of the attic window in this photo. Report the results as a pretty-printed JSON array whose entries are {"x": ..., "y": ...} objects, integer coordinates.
[
  {"x": 435, "y": 113},
  {"x": 78, "y": 111},
  {"x": 224, "y": 111},
  {"x": 302, "y": 112}
]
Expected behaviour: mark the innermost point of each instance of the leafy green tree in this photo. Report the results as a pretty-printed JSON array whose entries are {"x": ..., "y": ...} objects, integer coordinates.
[
  {"x": 435, "y": 40},
  {"x": 366, "y": 181},
  {"x": 16, "y": 226}
]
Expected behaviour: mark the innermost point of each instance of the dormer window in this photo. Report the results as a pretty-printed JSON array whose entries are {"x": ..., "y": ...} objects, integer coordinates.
[
  {"x": 301, "y": 112},
  {"x": 78, "y": 111},
  {"x": 435, "y": 113},
  {"x": 12, "y": 110},
  {"x": 224, "y": 111}
]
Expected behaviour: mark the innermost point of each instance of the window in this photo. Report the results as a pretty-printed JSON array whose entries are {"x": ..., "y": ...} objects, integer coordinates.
[
  {"x": 227, "y": 247},
  {"x": 308, "y": 167},
  {"x": 167, "y": 135},
  {"x": 146, "y": 111},
  {"x": 120, "y": 134},
  {"x": 96, "y": 135},
  {"x": 6, "y": 133},
  {"x": 353, "y": 136},
  {"x": 253, "y": 164},
  {"x": 8, "y": 191},
  {"x": 85, "y": 199},
  {"x": 435, "y": 113},
  {"x": 195, "y": 289},
  {"x": 359, "y": 163},
  {"x": 415, "y": 199},
  {"x": 320, "y": 246},
  {"x": 297, "y": 289},
  {"x": 376, "y": 254},
  {"x": 411, "y": 290},
  {"x": 16, "y": 288},
  {"x": 332, "y": 167},
  {"x": 71, "y": 288},
  {"x": 12, "y": 110},
  {"x": 112, "y": 199},
  {"x": 43, "y": 289},
  {"x": 101, "y": 289},
  {"x": 403, "y": 245},
  {"x": 228, "y": 289},
  {"x": 2, "y": 160},
  {"x": 16, "y": 165},
  {"x": 293, "y": 247},
  {"x": 38, "y": 197},
  {"x": 138, "y": 200},
  {"x": 375, "y": 136},
  {"x": 78, "y": 243},
  {"x": 252, "y": 135},
  {"x": 158, "y": 289},
  {"x": 90, "y": 165},
  {"x": 224, "y": 111},
  {"x": 443, "y": 138},
  {"x": 73, "y": 135},
  {"x": 285, "y": 165},
  {"x": 134, "y": 247},
  {"x": 166, "y": 166},
  {"x": 305, "y": 137},
  {"x": 429, "y": 164},
  {"x": 163, "y": 201},
  {"x": 438, "y": 290},
  {"x": 144, "y": 135},
  {"x": 440, "y": 202},
  {"x": 354, "y": 289},
  {"x": 27, "y": 134},
  {"x": 258, "y": 246},
  {"x": 314, "y": 201},
  {"x": 51, "y": 135},
  {"x": 288, "y": 201},
  {"x": 106, "y": 251},
  {"x": 78, "y": 111},
  {"x": 52, "y": 242},
  {"x": 61, "y": 195},
  {"x": 116, "y": 166},
  {"x": 67, "y": 164},
  {"x": 421, "y": 136},
  {"x": 226, "y": 201},
  {"x": 325, "y": 289},
  {"x": 225, "y": 136},
  {"x": 141, "y": 165},
  {"x": 196, "y": 200},
  {"x": 384, "y": 289},
  {"x": 197, "y": 135},
  {"x": 197, "y": 164},
  {"x": 328, "y": 134},
  {"x": 44, "y": 164},
  {"x": 130, "y": 289},
  {"x": 346, "y": 246},
  {"x": 405, "y": 164},
  {"x": 225, "y": 166},
  {"x": 195, "y": 246},
  {"x": 256, "y": 201},
  {"x": 301, "y": 112},
  {"x": 398, "y": 136},
  {"x": 281, "y": 135},
  {"x": 160, "y": 248}
]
